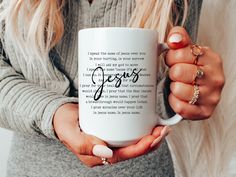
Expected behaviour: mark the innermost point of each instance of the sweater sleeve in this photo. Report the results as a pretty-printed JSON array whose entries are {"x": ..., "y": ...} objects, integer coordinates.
[
  {"x": 163, "y": 86},
  {"x": 25, "y": 106}
]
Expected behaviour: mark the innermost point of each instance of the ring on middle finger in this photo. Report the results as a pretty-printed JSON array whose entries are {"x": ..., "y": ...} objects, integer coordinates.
[{"x": 199, "y": 74}]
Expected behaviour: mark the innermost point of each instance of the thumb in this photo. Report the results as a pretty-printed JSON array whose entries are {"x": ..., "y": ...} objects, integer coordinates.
[
  {"x": 83, "y": 144},
  {"x": 178, "y": 38}
]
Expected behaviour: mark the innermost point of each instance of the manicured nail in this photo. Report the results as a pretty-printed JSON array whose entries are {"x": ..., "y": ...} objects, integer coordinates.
[
  {"x": 175, "y": 38},
  {"x": 156, "y": 141},
  {"x": 165, "y": 131},
  {"x": 102, "y": 151}
]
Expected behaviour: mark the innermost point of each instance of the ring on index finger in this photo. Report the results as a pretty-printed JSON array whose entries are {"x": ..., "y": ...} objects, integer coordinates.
[
  {"x": 105, "y": 162},
  {"x": 197, "y": 51}
]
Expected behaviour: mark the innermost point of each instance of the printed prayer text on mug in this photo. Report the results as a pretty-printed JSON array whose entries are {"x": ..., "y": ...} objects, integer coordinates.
[{"x": 115, "y": 83}]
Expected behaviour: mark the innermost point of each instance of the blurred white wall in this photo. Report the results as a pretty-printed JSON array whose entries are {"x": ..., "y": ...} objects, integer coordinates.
[
  {"x": 217, "y": 29},
  {"x": 5, "y": 143}
]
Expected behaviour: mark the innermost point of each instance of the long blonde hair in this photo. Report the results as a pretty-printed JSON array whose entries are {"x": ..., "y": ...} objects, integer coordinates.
[{"x": 34, "y": 27}]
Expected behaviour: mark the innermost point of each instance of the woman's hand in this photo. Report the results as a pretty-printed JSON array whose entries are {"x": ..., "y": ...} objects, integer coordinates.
[
  {"x": 89, "y": 149},
  {"x": 183, "y": 71}
]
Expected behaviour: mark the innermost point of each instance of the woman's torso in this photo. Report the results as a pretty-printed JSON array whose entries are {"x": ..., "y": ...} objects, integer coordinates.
[{"x": 38, "y": 156}]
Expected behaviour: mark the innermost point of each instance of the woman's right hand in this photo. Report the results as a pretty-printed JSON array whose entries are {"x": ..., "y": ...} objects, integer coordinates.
[{"x": 90, "y": 149}]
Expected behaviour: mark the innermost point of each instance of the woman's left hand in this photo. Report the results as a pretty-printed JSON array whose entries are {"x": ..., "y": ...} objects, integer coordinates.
[{"x": 183, "y": 73}]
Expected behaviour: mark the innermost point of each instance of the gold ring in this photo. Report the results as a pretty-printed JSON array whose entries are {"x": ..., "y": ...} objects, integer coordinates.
[
  {"x": 104, "y": 161},
  {"x": 199, "y": 73},
  {"x": 197, "y": 51},
  {"x": 195, "y": 94}
]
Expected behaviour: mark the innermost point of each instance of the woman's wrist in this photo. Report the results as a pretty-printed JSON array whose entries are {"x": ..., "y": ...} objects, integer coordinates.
[{"x": 66, "y": 112}]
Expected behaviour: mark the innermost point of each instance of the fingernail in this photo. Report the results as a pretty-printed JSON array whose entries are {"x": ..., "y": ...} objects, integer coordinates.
[
  {"x": 165, "y": 131},
  {"x": 156, "y": 141},
  {"x": 175, "y": 38},
  {"x": 102, "y": 151}
]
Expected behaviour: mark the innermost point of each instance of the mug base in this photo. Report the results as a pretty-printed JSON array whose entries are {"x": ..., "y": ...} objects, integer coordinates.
[{"x": 121, "y": 143}]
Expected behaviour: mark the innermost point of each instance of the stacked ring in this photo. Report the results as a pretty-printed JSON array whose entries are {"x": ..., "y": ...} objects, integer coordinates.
[
  {"x": 197, "y": 51},
  {"x": 195, "y": 94}
]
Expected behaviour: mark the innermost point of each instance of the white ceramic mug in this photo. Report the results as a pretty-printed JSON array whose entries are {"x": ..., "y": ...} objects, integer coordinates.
[{"x": 117, "y": 84}]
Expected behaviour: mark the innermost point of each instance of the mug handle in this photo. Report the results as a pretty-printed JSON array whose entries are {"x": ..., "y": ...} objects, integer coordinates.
[{"x": 162, "y": 47}]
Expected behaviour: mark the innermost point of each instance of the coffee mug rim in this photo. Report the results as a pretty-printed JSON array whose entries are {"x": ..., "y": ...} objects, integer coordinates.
[{"x": 119, "y": 28}]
